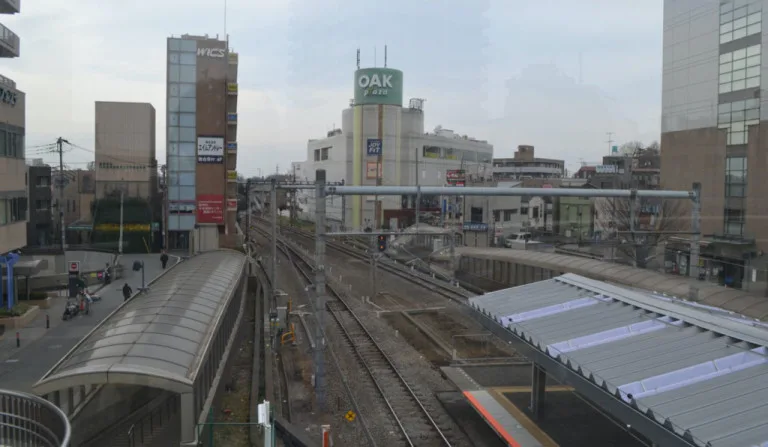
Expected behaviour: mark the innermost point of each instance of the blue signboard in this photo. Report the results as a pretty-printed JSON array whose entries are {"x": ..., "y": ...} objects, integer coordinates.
[
  {"x": 475, "y": 226},
  {"x": 374, "y": 146}
]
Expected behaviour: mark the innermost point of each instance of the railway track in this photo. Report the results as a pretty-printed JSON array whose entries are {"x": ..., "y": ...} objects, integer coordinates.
[
  {"x": 454, "y": 293},
  {"x": 403, "y": 402},
  {"x": 411, "y": 416}
]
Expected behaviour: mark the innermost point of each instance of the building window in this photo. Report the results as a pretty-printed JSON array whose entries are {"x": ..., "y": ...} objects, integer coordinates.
[
  {"x": 508, "y": 214},
  {"x": 739, "y": 22},
  {"x": 740, "y": 69},
  {"x": 42, "y": 205},
  {"x": 43, "y": 182},
  {"x": 317, "y": 154},
  {"x": 736, "y": 117},
  {"x": 13, "y": 210},
  {"x": 324, "y": 153},
  {"x": 735, "y": 191}
]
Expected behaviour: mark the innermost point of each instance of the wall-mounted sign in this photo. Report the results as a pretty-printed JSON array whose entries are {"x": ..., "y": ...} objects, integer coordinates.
[
  {"x": 181, "y": 207},
  {"x": 370, "y": 170},
  {"x": 232, "y": 146},
  {"x": 128, "y": 228},
  {"x": 211, "y": 52},
  {"x": 210, "y": 208},
  {"x": 231, "y": 175},
  {"x": 9, "y": 97},
  {"x": 606, "y": 169},
  {"x": 374, "y": 146},
  {"x": 232, "y": 117},
  {"x": 475, "y": 226},
  {"x": 456, "y": 177},
  {"x": 231, "y": 204},
  {"x": 379, "y": 86},
  {"x": 210, "y": 149}
]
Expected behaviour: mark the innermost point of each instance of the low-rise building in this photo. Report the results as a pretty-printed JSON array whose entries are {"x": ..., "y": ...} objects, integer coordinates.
[
  {"x": 40, "y": 223},
  {"x": 525, "y": 165}
]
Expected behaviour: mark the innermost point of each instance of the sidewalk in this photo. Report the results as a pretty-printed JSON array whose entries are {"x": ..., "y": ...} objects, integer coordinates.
[{"x": 41, "y": 348}]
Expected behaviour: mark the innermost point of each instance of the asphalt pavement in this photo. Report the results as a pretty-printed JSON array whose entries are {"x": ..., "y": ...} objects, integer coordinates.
[{"x": 21, "y": 367}]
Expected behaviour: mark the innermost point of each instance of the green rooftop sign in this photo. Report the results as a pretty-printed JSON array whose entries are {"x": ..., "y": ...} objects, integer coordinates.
[{"x": 379, "y": 86}]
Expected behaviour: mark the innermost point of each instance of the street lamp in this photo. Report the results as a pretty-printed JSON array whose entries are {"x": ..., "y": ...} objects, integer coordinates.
[{"x": 139, "y": 265}]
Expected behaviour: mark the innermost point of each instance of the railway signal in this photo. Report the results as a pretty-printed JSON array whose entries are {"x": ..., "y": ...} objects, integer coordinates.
[{"x": 382, "y": 242}]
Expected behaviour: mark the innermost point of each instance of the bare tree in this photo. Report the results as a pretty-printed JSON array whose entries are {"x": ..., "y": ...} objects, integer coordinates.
[{"x": 656, "y": 220}]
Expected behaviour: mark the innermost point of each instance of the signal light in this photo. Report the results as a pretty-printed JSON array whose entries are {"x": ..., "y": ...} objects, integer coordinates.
[{"x": 382, "y": 242}]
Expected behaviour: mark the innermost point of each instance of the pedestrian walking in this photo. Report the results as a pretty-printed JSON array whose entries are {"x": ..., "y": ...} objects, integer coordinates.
[
  {"x": 164, "y": 259},
  {"x": 127, "y": 292}
]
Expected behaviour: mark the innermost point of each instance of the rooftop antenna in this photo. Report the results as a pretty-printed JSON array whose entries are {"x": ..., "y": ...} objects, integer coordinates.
[
  {"x": 358, "y": 58},
  {"x": 385, "y": 56},
  {"x": 610, "y": 141}
]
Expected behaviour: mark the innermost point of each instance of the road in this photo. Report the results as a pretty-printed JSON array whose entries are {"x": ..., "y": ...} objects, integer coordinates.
[{"x": 41, "y": 348}]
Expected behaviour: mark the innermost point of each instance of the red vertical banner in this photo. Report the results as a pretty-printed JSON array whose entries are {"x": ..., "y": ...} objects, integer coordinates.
[{"x": 210, "y": 208}]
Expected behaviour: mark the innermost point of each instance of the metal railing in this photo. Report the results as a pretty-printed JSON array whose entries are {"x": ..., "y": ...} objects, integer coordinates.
[
  {"x": 143, "y": 429},
  {"x": 27, "y": 420},
  {"x": 10, "y": 38}
]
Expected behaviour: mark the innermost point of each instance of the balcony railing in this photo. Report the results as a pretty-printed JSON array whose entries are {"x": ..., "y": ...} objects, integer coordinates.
[
  {"x": 10, "y": 6},
  {"x": 30, "y": 420},
  {"x": 9, "y": 42}
]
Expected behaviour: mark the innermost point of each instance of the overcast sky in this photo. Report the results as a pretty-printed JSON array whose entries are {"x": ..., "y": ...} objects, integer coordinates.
[{"x": 507, "y": 71}]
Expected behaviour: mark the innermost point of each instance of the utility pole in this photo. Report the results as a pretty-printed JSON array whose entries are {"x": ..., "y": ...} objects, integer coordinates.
[
  {"x": 273, "y": 210},
  {"x": 247, "y": 210},
  {"x": 418, "y": 190},
  {"x": 320, "y": 286},
  {"x": 165, "y": 207},
  {"x": 693, "y": 263},
  {"x": 120, "y": 240},
  {"x": 60, "y": 150}
]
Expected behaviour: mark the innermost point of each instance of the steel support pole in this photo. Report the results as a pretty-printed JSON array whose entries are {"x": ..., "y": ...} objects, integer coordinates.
[
  {"x": 501, "y": 192},
  {"x": 273, "y": 211},
  {"x": 247, "y": 211},
  {"x": 418, "y": 205},
  {"x": 632, "y": 217},
  {"x": 320, "y": 287},
  {"x": 693, "y": 263}
]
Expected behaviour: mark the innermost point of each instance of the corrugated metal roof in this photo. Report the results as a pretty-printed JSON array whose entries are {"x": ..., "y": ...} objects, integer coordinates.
[
  {"x": 161, "y": 335},
  {"x": 735, "y": 300},
  {"x": 700, "y": 372}
]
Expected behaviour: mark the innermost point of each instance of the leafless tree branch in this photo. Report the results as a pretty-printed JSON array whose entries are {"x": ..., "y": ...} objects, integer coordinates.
[{"x": 656, "y": 220}]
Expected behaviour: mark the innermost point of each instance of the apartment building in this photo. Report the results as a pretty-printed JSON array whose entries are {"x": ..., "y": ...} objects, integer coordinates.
[{"x": 13, "y": 172}]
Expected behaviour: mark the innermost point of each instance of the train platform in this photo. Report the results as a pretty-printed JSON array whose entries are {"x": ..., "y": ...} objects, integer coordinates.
[
  {"x": 501, "y": 396},
  {"x": 509, "y": 423}
]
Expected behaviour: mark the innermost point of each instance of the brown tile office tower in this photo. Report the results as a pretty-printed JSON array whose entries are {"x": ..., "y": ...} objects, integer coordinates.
[
  {"x": 201, "y": 146},
  {"x": 713, "y": 121}
]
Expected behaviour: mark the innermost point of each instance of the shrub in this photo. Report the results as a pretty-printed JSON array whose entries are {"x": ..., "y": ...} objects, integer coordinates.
[{"x": 16, "y": 311}]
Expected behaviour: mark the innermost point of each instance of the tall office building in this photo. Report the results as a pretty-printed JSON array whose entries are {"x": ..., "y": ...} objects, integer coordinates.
[
  {"x": 13, "y": 195},
  {"x": 201, "y": 142},
  {"x": 713, "y": 117},
  {"x": 125, "y": 149}
]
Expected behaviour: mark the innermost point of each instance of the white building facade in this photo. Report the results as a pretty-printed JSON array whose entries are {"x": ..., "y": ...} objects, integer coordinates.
[{"x": 381, "y": 142}]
